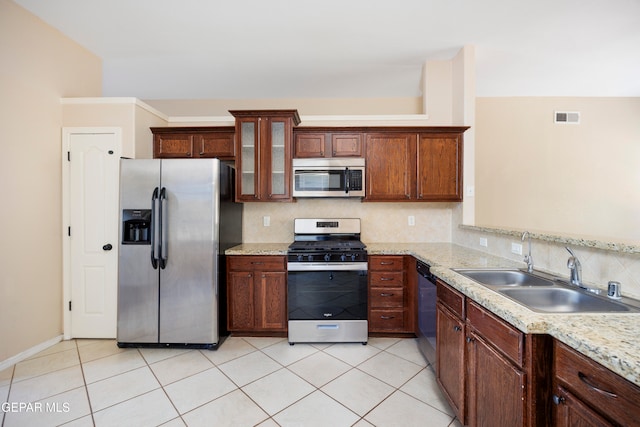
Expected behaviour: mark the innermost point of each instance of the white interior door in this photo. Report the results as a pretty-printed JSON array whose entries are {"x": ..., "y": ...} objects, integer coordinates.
[{"x": 93, "y": 162}]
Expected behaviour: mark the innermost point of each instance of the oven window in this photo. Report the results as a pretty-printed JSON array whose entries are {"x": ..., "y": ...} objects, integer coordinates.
[
  {"x": 319, "y": 180},
  {"x": 327, "y": 295}
]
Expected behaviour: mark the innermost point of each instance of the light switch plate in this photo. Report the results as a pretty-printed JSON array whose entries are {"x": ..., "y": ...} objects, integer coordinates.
[
  {"x": 484, "y": 242},
  {"x": 411, "y": 220},
  {"x": 516, "y": 248},
  {"x": 266, "y": 221}
]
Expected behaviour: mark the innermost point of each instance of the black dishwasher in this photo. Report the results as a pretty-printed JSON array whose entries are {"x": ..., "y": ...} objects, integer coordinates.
[{"x": 427, "y": 312}]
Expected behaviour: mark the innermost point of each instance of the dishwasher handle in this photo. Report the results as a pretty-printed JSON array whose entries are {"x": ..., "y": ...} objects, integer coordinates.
[{"x": 424, "y": 270}]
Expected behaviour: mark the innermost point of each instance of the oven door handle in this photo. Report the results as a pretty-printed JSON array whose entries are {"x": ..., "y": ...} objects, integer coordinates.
[{"x": 327, "y": 266}]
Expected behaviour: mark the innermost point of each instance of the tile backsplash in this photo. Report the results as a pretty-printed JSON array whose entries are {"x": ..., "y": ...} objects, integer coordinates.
[
  {"x": 438, "y": 222},
  {"x": 598, "y": 266},
  {"x": 381, "y": 222}
]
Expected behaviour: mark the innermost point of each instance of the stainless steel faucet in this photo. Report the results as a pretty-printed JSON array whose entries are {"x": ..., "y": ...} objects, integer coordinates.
[
  {"x": 573, "y": 264},
  {"x": 528, "y": 258}
]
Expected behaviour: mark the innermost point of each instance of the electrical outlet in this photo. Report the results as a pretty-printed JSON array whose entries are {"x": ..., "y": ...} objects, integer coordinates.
[
  {"x": 484, "y": 242},
  {"x": 411, "y": 220},
  {"x": 266, "y": 221},
  {"x": 471, "y": 191},
  {"x": 516, "y": 248}
]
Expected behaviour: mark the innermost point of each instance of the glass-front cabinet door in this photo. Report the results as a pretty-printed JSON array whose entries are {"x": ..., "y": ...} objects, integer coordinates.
[
  {"x": 264, "y": 140},
  {"x": 278, "y": 187},
  {"x": 248, "y": 176}
]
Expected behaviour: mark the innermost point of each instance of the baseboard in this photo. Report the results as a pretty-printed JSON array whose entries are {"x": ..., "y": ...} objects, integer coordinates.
[{"x": 29, "y": 352}]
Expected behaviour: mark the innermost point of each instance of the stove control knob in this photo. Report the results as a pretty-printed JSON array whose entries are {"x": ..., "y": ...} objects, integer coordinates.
[
  {"x": 327, "y": 257},
  {"x": 353, "y": 257},
  {"x": 310, "y": 257},
  {"x": 343, "y": 257},
  {"x": 300, "y": 258}
]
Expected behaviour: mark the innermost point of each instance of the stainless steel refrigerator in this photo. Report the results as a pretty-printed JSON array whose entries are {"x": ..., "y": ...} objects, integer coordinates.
[{"x": 177, "y": 217}]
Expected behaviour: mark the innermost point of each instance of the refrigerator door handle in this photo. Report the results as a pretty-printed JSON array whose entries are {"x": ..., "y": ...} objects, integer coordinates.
[
  {"x": 155, "y": 232},
  {"x": 164, "y": 252}
]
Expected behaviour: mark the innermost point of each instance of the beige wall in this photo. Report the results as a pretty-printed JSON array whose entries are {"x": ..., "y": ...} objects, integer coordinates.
[
  {"x": 567, "y": 179},
  {"x": 39, "y": 66},
  {"x": 134, "y": 117},
  {"x": 307, "y": 106}
]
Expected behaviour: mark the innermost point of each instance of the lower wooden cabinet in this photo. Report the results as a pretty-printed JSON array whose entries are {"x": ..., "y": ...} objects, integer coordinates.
[
  {"x": 491, "y": 373},
  {"x": 391, "y": 294},
  {"x": 588, "y": 394},
  {"x": 451, "y": 358},
  {"x": 256, "y": 294}
]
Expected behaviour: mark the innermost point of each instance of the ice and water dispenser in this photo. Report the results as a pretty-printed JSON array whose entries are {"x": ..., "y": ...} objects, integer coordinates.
[{"x": 136, "y": 227}]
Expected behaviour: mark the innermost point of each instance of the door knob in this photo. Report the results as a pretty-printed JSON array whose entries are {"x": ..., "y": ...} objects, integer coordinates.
[{"x": 107, "y": 247}]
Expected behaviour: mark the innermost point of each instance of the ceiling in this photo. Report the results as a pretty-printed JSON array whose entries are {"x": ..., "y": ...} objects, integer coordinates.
[{"x": 233, "y": 49}]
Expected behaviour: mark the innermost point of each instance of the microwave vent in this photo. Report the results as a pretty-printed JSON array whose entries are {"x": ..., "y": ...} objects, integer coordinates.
[{"x": 567, "y": 117}]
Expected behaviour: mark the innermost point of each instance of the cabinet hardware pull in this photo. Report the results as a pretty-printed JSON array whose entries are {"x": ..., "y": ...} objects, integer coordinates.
[
  {"x": 589, "y": 384},
  {"x": 188, "y": 154},
  {"x": 386, "y": 262},
  {"x": 386, "y": 295},
  {"x": 469, "y": 339},
  {"x": 558, "y": 399},
  {"x": 386, "y": 279},
  {"x": 387, "y": 317},
  {"x": 257, "y": 262},
  {"x": 202, "y": 153},
  {"x": 457, "y": 328}
]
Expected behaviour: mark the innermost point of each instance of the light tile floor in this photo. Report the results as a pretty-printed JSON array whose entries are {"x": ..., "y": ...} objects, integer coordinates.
[{"x": 246, "y": 382}]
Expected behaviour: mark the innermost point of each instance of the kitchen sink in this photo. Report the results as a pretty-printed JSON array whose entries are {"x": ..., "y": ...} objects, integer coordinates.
[
  {"x": 504, "y": 277},
  {"x": 544, "y": 293},
  {"x": 559, "y": 299}
]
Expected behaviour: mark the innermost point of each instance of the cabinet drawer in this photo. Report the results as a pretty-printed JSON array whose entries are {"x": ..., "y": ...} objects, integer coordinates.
[
  {"x": 451, "y": 298},
  {"x": 596, "y": 385},
  {"x": 257, "y": 263},
  {"x": 386, "y": 263},
  {"x": 386, "y": 319},
  {"x": 391, "y": 278},
  {"x": 386, "y": 297},
  {"x": 503, "y": 336}
]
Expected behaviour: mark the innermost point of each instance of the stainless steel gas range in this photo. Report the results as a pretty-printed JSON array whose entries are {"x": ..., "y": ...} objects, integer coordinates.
[{"x": 327, "y": 281}]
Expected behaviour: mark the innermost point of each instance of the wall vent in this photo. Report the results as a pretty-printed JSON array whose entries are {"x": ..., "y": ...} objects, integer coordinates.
[{"x": 567, "y": 117}]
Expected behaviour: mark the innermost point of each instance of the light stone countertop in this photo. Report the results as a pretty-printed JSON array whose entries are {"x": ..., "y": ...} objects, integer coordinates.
[{"x": 609, "y": 339}]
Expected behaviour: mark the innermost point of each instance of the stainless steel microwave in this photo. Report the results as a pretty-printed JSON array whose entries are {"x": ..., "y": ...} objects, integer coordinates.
[{"x": 333, "y": 177}]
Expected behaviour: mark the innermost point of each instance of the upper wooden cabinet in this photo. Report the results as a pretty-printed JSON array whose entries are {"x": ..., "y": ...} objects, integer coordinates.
[
  {"x": 439, "y": 167},
  {"x": 414, "y": 164},
  {"x": 316, "y": 142},
  {"x": 264, "y": 147},
  {"x": 194, "y": 142},
  {"x": 390, "y": 162}
]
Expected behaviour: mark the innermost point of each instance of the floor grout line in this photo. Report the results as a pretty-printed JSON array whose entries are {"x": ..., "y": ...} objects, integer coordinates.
[{"x": 283, "y": 363}]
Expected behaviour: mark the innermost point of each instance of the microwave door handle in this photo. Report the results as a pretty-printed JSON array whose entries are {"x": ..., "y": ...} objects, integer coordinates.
[{"x": 347, "y": 179}]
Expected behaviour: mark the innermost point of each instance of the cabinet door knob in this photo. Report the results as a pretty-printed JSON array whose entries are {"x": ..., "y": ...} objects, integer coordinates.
[
  {"x": 558, "y": 399},
  {"x": 457, "y": 328},
  {"x": 469, "y": 339},
  {"x": 188, "y": 154}
]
